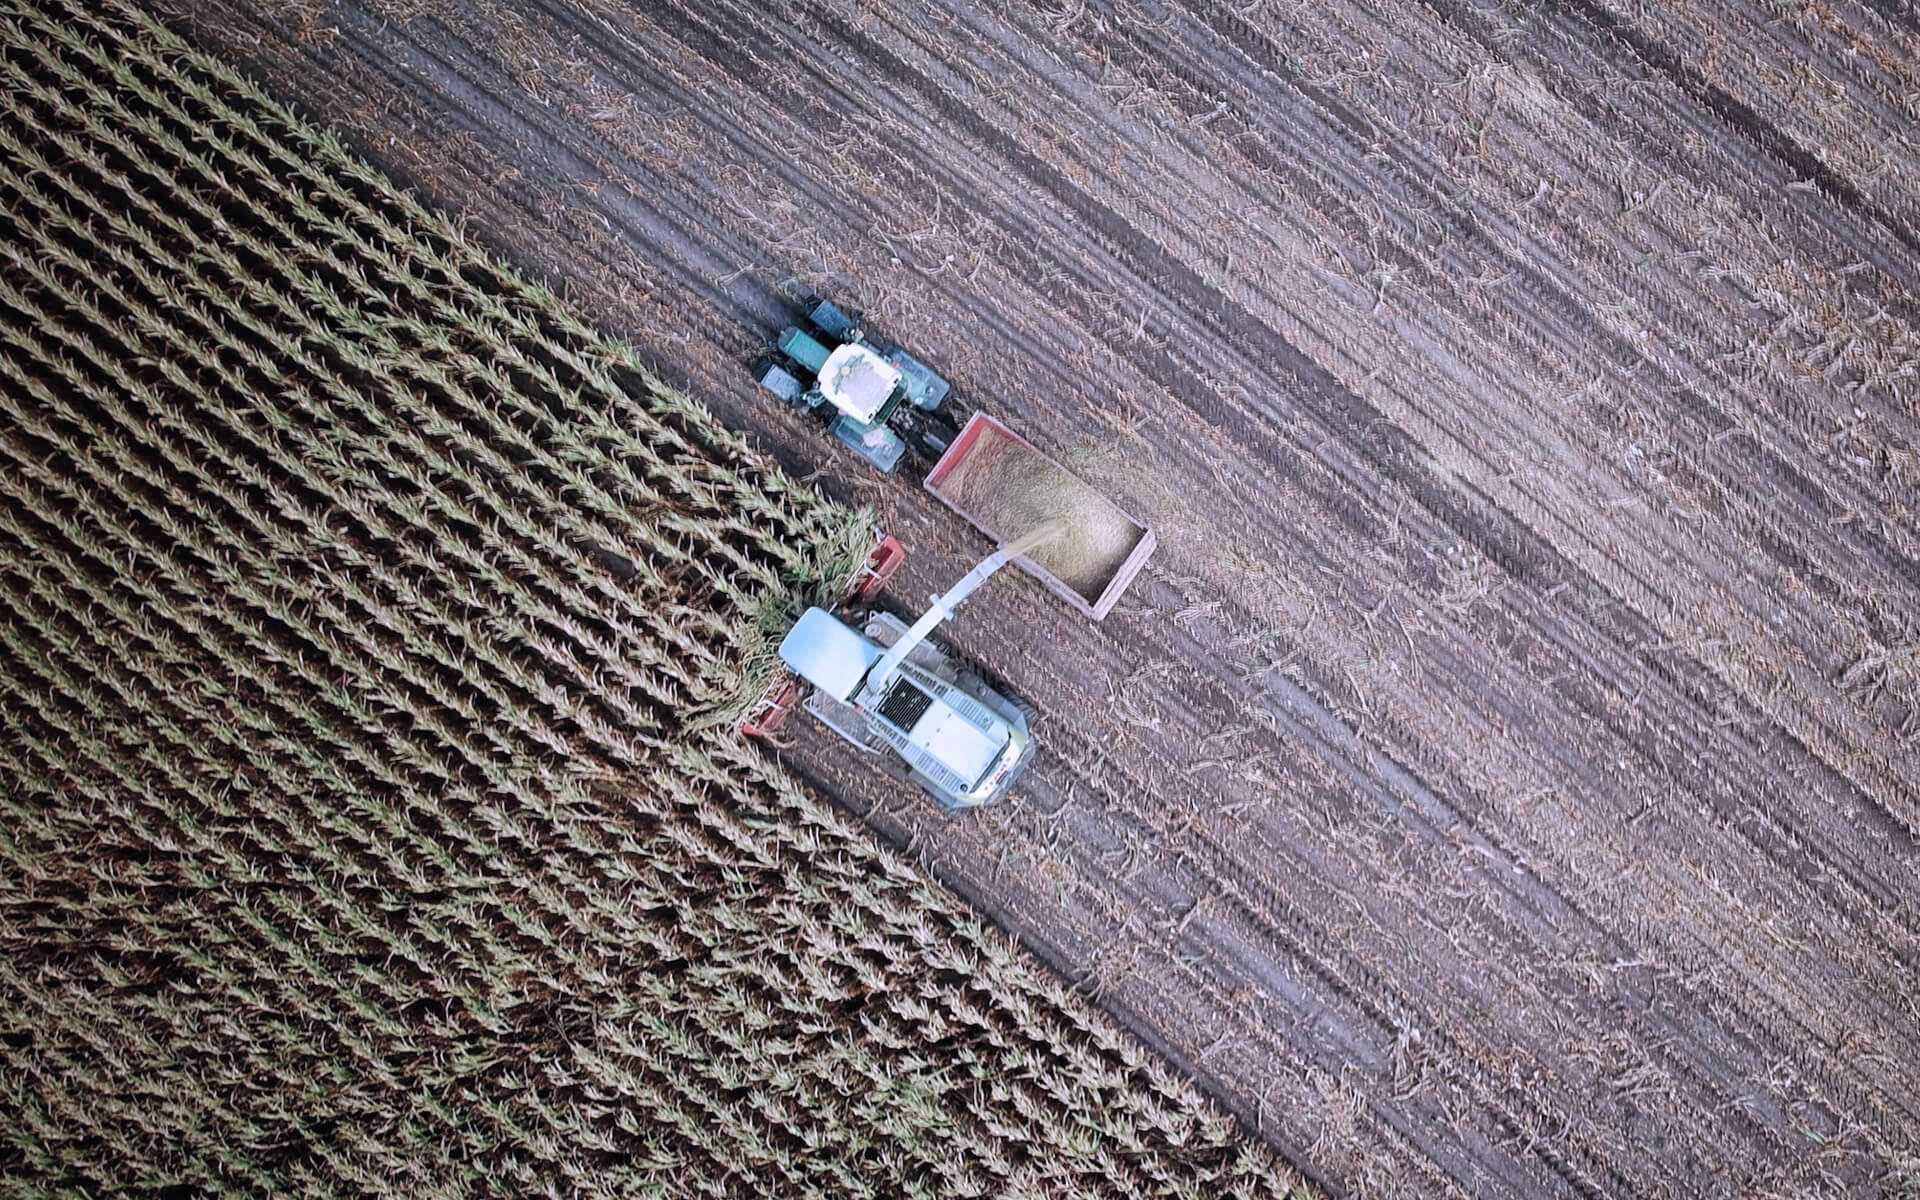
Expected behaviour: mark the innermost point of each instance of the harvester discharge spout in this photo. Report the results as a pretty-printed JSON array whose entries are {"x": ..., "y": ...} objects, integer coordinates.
[{"x": 941, "y": 607}]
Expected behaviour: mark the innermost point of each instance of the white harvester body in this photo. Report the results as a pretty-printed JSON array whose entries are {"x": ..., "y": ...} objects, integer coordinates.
[{"x": 887, "y": 687}]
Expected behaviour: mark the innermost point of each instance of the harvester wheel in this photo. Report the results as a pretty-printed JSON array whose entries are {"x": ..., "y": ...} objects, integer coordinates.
[{"x": 941, "y": 798}]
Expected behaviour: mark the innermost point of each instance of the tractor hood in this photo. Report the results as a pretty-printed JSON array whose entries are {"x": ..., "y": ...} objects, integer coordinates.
[{"x": 828, "y": 654}]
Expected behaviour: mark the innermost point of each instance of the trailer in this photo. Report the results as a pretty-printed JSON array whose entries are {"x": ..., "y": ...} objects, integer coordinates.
[{"x": 1006, "y": 488}]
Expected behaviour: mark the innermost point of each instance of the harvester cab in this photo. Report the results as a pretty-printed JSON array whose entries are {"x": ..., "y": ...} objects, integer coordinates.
[{"x": 877, "y": 399}]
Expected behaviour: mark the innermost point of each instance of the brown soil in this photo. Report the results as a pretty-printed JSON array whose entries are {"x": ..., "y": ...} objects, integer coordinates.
[
  {"x": 1077, "y": 535},
  {"x": 1494, "y": 785}
]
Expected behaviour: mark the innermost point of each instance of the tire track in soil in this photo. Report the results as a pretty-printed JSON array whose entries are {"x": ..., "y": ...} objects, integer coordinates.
[
  {"x": 1264, "y": 853},
  {"x": 1870, "y": 547},
  {"x": 1558, "y": 320},
  {"x": 1792, "y": 223},
  {"x": 1804, "y": 487},
  {"x": 1741, "y": 118},
  {"x": 1361, "y": 510},
  {"x": 1507, "y": 55},
  {"x": 1835, "y": 79},
  {"x": 1801, "y": 484},
  {"x": 1763, "y": 157},
  {"x": 1800, "y": 224}
]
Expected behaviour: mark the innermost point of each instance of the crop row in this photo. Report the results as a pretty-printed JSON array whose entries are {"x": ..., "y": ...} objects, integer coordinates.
[{"x": 368, "y": 630}]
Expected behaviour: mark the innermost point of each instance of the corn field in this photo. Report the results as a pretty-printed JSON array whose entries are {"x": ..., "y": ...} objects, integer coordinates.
[{"x": 369, "y": 628}]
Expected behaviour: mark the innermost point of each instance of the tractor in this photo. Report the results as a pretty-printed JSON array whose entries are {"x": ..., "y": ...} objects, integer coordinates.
[{"x": 877, "y": 399}]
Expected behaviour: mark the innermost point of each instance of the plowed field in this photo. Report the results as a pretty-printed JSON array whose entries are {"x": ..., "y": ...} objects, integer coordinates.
[{"x": 1504, "y": 781}]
